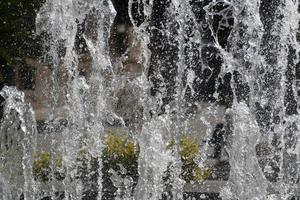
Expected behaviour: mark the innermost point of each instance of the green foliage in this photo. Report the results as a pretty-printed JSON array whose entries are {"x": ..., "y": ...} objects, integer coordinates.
[
  {"x": 120, "y": 146},
  {"x": 120, "y": 150},
  {"x": 189, "y": 150},
  {"x": 41, "y": 168}
]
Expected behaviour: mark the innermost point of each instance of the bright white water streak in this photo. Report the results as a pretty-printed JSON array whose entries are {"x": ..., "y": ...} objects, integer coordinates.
[
  {"x": 17, "y": 146},
  {"x": 254, "y": 46},
  {"x": 85, "y": 98},
  {"x": 259, "y": 48}
]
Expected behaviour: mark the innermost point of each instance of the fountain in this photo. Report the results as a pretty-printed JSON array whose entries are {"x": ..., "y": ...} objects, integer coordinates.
[{"x": 151, "y": 100}]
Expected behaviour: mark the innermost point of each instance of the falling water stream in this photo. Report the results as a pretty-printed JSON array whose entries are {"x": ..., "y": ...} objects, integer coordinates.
[{"x": 206, "y": 65}]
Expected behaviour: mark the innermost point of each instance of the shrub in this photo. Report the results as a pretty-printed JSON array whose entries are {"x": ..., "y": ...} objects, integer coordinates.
[
  {"x": 189, "y": 150},
  {"x": 41, "y": 167},
  {"x": 121, "y": 150}
]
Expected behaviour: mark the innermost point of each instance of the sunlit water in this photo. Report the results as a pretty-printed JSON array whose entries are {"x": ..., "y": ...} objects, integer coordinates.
[{"x": 255, "y": 65}]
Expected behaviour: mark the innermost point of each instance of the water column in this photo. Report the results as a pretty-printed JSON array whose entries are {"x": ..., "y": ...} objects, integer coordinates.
[
  {"x": 172, "y": 39},
  {"x": 289, "y": 138},
  {"x": 17, "y": 146},
  {"x": 84, "y": 98},
  {"x": 97, "y": 33},
  {"x": 245, "y": 172},
  {"x": 173, "y": 62},
  {"x": 260, "y": 44},
  {"x": 154, "y": 158}
]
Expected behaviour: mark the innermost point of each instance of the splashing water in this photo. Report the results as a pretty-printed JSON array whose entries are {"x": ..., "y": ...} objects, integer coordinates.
[
  {"x": 18, "y": 140},
  {"x": 221, "y": 74}
]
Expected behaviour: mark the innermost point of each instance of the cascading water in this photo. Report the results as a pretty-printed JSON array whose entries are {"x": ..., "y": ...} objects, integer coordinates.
[
  {"x": 18, "y": 140},
  {"x": 154, "y": 100}
]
